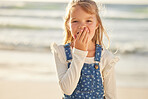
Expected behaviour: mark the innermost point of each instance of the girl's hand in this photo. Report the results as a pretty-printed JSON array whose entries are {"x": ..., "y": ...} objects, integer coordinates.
[{"x": 81, "y": 40}]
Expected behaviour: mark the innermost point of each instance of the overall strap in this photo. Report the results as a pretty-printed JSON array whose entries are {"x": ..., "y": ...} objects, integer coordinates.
[
  {"x": 68, "y": 52},
  {"x": 98, "y": 53}
]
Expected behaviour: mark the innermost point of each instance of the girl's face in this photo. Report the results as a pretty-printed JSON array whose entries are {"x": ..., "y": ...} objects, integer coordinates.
[{"x": 80, "y": 19}]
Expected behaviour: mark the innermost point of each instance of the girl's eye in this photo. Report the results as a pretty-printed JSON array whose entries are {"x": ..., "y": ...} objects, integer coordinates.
[
  {"x": 74, "y": 21},
  {"x": 89, "y": 21}
]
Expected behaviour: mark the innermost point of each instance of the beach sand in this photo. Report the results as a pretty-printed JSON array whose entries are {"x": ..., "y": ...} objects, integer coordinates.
[
  {"x": 32, "y": 80},
  {"x": 51, "y": 90},
  {"x": 29, "y": 90}
]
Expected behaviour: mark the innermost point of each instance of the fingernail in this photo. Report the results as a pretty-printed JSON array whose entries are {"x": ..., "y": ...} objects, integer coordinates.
[{"x": 74, "y": 36}]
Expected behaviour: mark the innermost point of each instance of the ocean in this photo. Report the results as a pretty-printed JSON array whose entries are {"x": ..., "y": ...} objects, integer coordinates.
[{"x": 27, "y": 30}]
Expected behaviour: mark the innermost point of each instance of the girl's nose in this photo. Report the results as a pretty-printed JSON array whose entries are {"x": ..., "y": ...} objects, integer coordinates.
[{"x": 82, "y": 27}]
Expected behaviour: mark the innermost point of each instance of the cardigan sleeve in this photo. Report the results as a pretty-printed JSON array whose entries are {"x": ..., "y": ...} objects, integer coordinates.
[
  {"x": 110, "y": 85},
  {"x": 109, "y": 61},
  {"x": 108, "y": 72},
  {"x": 68, "y": 77}
]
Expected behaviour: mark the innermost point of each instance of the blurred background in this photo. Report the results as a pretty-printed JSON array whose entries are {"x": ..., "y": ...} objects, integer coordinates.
[{"x": 27, "y": 29}]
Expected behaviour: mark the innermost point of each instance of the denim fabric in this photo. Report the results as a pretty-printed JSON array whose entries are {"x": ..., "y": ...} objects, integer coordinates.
[
  {"x": 68, "y": 51},
  {"x": 90, "y": 83}
]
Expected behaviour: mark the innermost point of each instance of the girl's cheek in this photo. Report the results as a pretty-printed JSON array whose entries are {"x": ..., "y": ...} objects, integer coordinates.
[
  {"x": 91, "y": 29},
  {"x": 73, "y": 29},
  {"x": 75, "y": 35}
]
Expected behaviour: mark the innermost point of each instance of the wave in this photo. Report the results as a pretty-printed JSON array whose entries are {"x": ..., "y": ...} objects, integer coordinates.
[
  {"x": 126, "y": 15},
  {"x": 125, "y": 18},
  {"x": 24, "y": 47},
  {"x": 140, "y": 50},
  {"x": 135, "y": 51},
  {"x": 13, "y": 26},
  {"x": 61, "y": 17},
  {"x": 131, "y": 49},
  {"x": 30, "y": 23},
  {"x": 32, "y": 5},
  {"x": 32, "y": 13},
  {"x": 33, "y": 16},
  {"x": 57, "y": 10}
]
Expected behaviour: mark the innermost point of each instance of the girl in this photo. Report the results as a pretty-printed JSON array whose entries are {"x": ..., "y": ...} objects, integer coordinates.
[{"x": 85, "y": 67}]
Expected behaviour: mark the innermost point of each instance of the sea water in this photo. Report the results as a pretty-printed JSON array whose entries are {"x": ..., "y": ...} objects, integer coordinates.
[{"x": 27, "y": 30}]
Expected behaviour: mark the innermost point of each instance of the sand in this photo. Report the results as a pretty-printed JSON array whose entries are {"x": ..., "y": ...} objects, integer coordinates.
[
  {"x": 51, "y": 90},
  {"x": 24, "y": 83},
  {"x": 29, "y": 90}
]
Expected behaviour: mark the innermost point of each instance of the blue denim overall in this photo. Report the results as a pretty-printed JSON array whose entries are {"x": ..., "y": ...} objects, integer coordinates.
[{"x": 90, "y": 83}]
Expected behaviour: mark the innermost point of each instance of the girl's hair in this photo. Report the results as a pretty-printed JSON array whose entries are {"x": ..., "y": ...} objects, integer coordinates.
[{"x": 90, "y": 7}]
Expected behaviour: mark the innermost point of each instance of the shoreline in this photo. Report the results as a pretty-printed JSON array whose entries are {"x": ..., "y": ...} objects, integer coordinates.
[{"x": 51, "y": 90}]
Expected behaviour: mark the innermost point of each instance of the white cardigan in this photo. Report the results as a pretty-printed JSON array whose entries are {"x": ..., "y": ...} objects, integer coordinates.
[{"x": 68, "y": 78}]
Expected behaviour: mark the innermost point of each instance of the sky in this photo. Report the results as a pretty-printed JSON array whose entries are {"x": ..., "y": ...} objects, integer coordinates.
[{"x": 103, "y": 1}]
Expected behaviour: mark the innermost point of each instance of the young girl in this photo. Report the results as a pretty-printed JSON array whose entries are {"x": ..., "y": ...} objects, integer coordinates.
[{"x": 85, "y": 67}]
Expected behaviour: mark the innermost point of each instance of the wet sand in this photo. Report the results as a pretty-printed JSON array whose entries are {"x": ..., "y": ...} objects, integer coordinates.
[{"x": 51, "y": 90}]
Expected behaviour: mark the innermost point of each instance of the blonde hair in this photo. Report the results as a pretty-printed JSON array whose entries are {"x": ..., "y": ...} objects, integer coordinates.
[{"x": 90, "y": 7}]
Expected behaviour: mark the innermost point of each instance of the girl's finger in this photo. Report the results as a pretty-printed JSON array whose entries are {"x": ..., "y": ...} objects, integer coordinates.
[
  {"x": 83, "y": 34},
  {"x": 79, "y": 34},
  {"x": 86, "y": 36},
  {"x": 86, "y": 42}
]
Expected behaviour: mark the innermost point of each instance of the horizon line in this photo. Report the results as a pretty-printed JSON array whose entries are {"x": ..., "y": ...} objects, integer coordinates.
[{"x": 65, "y": 1}]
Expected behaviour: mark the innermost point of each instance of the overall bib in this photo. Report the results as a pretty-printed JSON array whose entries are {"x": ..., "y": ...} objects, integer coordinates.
[{"x": 90, "y": 83}]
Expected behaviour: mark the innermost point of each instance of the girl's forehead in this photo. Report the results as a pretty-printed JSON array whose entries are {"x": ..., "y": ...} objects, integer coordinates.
[
  {"x": 75, "y": 9},
  {"x": 79, "y": 11}
]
